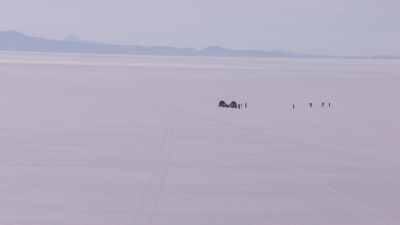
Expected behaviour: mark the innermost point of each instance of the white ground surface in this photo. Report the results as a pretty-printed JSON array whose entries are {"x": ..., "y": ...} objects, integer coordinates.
[{"x": 104, "y": 140}]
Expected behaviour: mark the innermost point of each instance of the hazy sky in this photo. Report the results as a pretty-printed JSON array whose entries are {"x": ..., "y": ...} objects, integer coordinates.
[{"x": 356, "y": 27}]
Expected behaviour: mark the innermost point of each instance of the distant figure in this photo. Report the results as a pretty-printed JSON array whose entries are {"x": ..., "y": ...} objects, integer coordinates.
[
  {"x": 239, "y": 106},
  {"x": 310, "y": 104},
  {"x": 293, "y": 106},
  {"x": 245, "y": 105},
  {"x": 323, "y": 104},
  {"x": 329, "y": 104},
  {"x": 223, "y": 104},
  {"x": 233, "y": 105}
]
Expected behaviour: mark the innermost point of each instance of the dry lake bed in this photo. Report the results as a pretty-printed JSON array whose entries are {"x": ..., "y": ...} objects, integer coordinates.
[{"x": 125, "y": 140}]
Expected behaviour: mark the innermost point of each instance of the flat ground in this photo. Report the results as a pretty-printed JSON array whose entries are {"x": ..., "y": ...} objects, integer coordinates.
[{"x": 103, "y": 140}]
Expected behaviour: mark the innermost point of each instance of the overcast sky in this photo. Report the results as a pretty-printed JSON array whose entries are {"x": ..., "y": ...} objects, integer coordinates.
[{"x": 355, "y": 27}]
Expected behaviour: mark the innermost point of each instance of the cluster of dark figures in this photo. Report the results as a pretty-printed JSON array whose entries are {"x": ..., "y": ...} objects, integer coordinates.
[
  {"x": 232, "y": 105},
  {"x": 323, "y": 104}
]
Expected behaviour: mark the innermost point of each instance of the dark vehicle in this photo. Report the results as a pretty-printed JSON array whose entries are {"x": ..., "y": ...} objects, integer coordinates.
[
  {"x": 233, "y": 105},
  {"x": 223, "y": 104}
]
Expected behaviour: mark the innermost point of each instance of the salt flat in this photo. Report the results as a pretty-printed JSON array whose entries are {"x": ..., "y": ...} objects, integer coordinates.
[{"x": 101, "y": 140}]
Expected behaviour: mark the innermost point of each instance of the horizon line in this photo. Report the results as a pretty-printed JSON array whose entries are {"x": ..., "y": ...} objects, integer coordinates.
[{"x": 211, "y": 50}]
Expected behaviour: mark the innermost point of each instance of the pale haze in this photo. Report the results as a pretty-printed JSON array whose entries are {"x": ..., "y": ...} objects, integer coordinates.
[
  {"x": 357, "y": 27},
  {"x": 213, "y": 137}
]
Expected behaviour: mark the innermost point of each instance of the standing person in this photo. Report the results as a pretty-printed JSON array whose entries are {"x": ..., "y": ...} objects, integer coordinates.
[
  {"x": 329, "y": 104},
  {"x": 245, "y": 105},
  {"x": 293, "y": 106},
  {"x": 310, "y": 104}
]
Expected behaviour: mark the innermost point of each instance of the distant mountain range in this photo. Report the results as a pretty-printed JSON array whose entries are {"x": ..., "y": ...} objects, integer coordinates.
[{"x": 15, "y": 41}]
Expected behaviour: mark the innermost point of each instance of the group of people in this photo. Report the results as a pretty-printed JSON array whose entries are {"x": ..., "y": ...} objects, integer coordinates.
[
  {"x": 323, "y": 104},
  {"x": 233, "y": 105}
]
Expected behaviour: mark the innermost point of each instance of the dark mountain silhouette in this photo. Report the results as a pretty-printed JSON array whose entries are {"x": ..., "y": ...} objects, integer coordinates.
[{"x": 15, "y": 41}]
